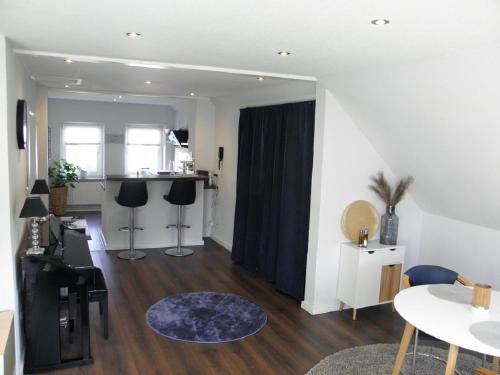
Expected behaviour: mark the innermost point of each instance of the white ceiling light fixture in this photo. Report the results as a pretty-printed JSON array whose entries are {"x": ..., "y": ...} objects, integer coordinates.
[
  {"x": 114, "y": 99},
  {"x": 149, "y": 66},
  {"x": 68, "y": 61},
  {"x": 66, "y": 86},
  {"x": 284, "y": 53},
  {"x": 191, "y": 94},
  {"x": 260, "y": 78},
  {"x": 119, "y": 97},
  {"x": 379, "y": 22},
  {"x": 133, "y": 34},
  {"x": 148, "y": 82}
]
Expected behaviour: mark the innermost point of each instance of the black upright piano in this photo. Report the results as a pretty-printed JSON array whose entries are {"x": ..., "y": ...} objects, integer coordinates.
[{"x": 55, "y": 304}]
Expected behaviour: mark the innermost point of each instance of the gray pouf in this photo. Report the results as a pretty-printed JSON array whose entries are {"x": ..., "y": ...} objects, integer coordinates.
[{"x": 378, "y": 359}]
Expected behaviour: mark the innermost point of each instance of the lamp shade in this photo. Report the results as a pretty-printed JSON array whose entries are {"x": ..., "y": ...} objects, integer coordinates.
[
  {"x": 33, "y": 207},
  {"x": 40, "y": 187}
]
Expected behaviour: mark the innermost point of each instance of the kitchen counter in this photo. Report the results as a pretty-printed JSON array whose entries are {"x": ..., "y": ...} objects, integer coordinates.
[
  {"x": 155, "y": 177},
  {"x": 154, "y": 216}
]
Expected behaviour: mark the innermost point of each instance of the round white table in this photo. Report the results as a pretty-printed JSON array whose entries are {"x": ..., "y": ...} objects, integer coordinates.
[{"x": 445, "y": 312}]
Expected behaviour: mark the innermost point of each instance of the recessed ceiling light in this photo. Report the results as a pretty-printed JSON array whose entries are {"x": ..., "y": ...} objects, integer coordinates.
[
  {"x": 68, "y": 61},
  {"x": 119, "y": 97},
  {"x": 66, "y": 86},
  {"x": 260, "y": 78},
  {"x": 133, "y": 34},
  {"x": 284, "y": 53},
  {"x": 379, "y": 22},
  {"x": 148, "y": 82},
  {"x": 191, "y": 93},
  {"x": 150, "y": 66},
  {"x": 114, "y": 99}
]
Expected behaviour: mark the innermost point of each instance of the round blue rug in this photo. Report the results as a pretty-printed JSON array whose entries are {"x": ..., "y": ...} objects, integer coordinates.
[{"x": 205, "y": 317}]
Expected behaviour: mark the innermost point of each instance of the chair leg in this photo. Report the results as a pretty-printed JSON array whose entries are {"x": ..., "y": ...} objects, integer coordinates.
[
  {"x": 105, "y": 318},
  {"x": 100, "y": 308},
  {"x": 179, "y": 251},
  {"x": 415, "y": 345},
  {"x": 131, "y": 254}
]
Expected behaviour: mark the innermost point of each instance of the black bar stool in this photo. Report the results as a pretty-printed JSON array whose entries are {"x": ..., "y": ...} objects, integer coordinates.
[
  {"x": 181, "y": 194},
  {"x": 132, "y": 194}
]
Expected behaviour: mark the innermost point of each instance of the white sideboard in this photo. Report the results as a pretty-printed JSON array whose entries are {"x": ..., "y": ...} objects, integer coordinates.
[{"x": 369, "y": 276}]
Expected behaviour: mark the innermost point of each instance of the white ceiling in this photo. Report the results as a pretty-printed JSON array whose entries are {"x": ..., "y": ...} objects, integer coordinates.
[
  {"x": 114, "y": 78},
  {"x": 115, "y": 97},
  {"x": 324, "y": 36}
]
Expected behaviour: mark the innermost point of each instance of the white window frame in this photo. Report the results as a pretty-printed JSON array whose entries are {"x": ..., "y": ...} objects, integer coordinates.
[
  {"x": 161, "y": 152},
  {"x": 102, "y": 144}
]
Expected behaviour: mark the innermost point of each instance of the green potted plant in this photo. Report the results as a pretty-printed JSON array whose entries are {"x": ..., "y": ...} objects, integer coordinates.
[{"x": 61, "y": 175}]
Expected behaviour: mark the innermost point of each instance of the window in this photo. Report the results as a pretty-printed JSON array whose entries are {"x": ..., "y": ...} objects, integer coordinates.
[
  {"x": 144, "y": 148},
  {"x": 82, "y": 144}
]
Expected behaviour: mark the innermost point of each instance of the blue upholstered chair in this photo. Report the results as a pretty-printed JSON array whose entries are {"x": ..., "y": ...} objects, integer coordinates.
[{"x": 426, "y": 275}]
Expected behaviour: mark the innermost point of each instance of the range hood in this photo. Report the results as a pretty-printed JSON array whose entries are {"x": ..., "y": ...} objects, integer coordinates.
[{"x": 179, "y": 137}]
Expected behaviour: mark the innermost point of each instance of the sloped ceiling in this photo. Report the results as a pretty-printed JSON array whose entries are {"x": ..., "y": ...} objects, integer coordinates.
[{"x": 439, "y": 120}]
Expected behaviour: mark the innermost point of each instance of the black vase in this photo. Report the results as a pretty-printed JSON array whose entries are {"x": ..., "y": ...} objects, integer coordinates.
[{"x": 389, "y": 227}]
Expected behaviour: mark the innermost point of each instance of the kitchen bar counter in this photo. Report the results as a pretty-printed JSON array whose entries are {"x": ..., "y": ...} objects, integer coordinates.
[
  {"x": 155, "y": 177},
  {"x": 154, "y": 216}
]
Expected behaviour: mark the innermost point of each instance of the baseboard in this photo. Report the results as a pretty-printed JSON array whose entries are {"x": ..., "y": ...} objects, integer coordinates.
[
  {"x": 224, "y": 244},
  {"x": 154, "y": 245},
  {"x": 319, "y": 309},
  {"x": 20, "y": 365}
]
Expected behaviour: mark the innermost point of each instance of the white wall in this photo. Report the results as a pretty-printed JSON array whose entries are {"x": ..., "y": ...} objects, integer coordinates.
[
  {"x": 468, "y": 249},
  {"x": 344, "y": 160},
  {"x": 226, "y": 135},
  {"x": 14, "y": 84},
  {"x": 438, "y": 119},
  {"x": 202, "y": 135},
  {"x": 114, "y": 117}
]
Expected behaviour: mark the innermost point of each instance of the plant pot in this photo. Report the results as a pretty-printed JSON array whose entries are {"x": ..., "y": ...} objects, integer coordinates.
[{"x": 58, "y": 199}]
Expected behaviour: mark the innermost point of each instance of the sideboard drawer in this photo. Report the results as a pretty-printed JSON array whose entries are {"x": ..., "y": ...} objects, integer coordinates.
[{"x": 383, "y": 257}]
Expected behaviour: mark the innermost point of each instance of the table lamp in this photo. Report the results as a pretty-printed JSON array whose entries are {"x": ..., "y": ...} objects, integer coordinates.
[
  {"x": 34, "y": 208},
  {"x": 40, "y": 187}
]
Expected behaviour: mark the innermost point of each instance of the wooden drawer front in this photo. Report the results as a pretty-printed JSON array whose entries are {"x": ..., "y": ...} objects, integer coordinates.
[
  {"x": 369, "y": 274},
  {"x": 390, "y": 280}
]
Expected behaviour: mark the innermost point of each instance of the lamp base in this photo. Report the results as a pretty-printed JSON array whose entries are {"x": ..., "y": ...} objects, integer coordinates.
[{"x": 35, "y": 251}]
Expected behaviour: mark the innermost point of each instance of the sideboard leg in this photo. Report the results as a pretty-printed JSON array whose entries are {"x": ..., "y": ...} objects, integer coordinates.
[
  {"x": 354, "y": 313},
  {"x": 341, "y": 306}
]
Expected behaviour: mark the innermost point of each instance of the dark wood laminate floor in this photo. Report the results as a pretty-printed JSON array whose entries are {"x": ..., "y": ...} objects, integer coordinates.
[{"x": 292, "y": 341}]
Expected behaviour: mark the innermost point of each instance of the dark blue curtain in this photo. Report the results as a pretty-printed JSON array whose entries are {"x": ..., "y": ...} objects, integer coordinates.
[{"x": 271, "y": 227}]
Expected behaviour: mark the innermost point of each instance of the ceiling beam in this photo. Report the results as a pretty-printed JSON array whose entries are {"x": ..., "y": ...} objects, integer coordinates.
[{"x": 165, "y": 65}]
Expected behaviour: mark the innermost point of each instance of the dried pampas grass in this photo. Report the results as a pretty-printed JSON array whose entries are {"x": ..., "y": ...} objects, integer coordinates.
[{"x": 382, "y": 188}]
